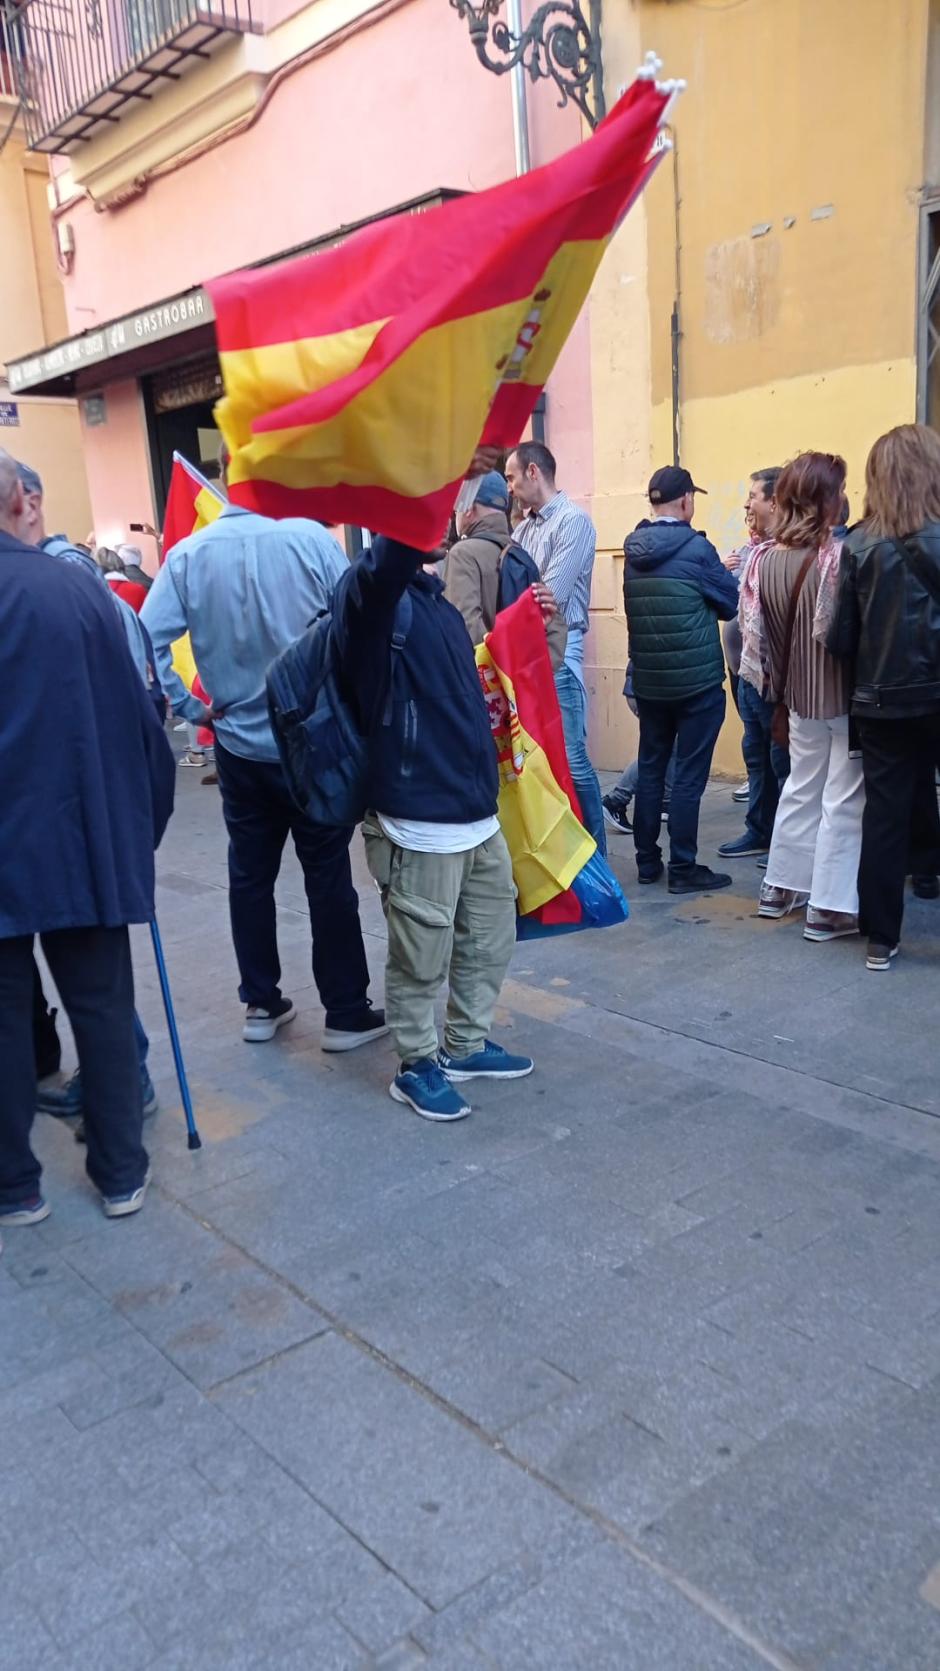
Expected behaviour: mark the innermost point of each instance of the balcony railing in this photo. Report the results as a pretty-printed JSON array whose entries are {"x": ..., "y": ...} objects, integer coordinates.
[
  {"x": 79, "y": 64},
  {"x": 9, "y": 85}
]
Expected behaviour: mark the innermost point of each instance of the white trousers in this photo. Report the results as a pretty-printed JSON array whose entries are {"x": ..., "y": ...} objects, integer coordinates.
[{"x": 817, "y": 835}]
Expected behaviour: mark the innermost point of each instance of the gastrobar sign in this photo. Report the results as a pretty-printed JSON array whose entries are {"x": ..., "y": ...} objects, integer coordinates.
[{"x": 166, "y": 319}]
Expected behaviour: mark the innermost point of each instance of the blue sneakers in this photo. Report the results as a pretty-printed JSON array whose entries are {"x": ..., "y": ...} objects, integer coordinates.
[
  {"x": 492, "y": 1062},
  {"x": 422, "y": 1086},
  {"x": 25, "y": 1212},
  {"x": 745, "y": 847},
  {"x": 65, "y": 1101}
]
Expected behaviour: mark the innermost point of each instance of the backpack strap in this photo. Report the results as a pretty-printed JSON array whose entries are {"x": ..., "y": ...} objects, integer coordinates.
[
  {"x": 400, "y": 630},
  {"x": 402, "y": 626}
]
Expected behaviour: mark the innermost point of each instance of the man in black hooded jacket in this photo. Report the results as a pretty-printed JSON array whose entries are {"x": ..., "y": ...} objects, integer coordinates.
[{"x": 433, "y": 841}]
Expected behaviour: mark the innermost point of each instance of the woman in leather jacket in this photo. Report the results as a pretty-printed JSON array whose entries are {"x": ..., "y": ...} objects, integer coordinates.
[{"x": 887, "y": 617}]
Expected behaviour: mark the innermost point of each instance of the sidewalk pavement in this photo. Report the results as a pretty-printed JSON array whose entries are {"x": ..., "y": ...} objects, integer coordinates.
[{"x": 638, "y": 1368}]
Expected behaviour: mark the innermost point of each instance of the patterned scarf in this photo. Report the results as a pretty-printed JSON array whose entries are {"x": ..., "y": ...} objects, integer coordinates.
[
  {"x": 755, "y": 658},
  {"x": 826, "y": 597}
]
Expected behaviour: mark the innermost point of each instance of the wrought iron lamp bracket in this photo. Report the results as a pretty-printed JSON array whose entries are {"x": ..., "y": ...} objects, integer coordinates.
[{"x": 558, "y": 44}]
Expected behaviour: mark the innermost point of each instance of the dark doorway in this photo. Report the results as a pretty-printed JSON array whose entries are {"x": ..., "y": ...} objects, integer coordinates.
[{"x": 177, "y": 422}]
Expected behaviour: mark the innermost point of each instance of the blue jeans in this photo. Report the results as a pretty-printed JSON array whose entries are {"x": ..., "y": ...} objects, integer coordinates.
[
  {"x": 573, "y": 704},
  {"x": 768, "y": 765},
  {"x": 141, "y": 1040},
  {"x": 691, "y": 727},
  {"x": 625, "y": 787}
]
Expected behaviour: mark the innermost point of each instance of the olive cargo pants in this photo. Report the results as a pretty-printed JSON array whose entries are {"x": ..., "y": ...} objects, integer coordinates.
[{"x": 449, "y": 915}]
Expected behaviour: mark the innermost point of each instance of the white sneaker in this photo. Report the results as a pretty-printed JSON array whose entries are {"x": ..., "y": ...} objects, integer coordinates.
[
  {"x": 261, "y": 1025},
  {"x": 121, "y": 1206}
]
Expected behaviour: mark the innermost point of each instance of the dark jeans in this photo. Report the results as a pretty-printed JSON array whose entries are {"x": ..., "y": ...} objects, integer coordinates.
[
  {"x": 900, "y": 824},
  {"x": 768, "y": 765},
  {"x": 46, "y": 1038},
  {"x": 693, "y": 727},
  {"x": 260, "y": 813},
  {"x": 573, "y": 704},
  {"x": 92, "y": 970}
]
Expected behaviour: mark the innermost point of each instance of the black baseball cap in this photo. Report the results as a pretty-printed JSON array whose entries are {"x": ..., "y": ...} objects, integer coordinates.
[{"x": 669, "y": 484}]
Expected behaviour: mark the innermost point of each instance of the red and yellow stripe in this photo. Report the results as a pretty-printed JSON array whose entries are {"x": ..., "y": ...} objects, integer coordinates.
[{"x": 359, "y": 381}]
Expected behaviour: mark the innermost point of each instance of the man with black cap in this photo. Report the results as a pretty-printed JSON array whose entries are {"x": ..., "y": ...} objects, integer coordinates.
[{"x": 676, "y": 590}]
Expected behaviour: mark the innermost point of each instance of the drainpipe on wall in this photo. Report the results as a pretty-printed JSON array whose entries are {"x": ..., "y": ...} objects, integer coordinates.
[
  {"x": 676, "y": 320},
  {"x": 520, "y": 112}
]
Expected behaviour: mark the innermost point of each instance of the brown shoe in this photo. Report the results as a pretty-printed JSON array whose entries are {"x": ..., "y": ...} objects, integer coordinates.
[
  {"x": 210, "y": 777},
  {"x": 779, "y": 902},
  {"x": 829, "y": 925}
]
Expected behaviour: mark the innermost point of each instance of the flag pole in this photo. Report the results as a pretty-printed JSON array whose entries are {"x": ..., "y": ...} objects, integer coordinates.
[{"x": 194, "y": 1141}]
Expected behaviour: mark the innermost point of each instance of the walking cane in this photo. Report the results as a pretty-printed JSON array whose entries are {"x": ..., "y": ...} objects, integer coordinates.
[{"x": 193, "y": 1140}]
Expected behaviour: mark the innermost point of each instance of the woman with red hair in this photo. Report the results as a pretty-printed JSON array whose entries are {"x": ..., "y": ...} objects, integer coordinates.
[{"x": 817, "y": 835}]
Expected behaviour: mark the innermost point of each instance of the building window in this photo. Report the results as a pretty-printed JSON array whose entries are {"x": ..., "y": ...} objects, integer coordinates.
[{"x": 928, "y": 319}]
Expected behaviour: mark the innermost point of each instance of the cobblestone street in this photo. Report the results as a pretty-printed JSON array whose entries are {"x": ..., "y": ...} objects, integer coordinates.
[{"x": 637, "y": 1368}]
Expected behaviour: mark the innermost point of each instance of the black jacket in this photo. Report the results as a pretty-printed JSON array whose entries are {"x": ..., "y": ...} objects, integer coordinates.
[
  {"x": 888, "y": 618},
  {"x": 432, "y": 754},
  {"x": 675, "y": 590}
]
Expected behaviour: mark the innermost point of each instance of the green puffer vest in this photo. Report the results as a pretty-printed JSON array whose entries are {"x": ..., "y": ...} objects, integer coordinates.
[{"x": 675, "y": 645}]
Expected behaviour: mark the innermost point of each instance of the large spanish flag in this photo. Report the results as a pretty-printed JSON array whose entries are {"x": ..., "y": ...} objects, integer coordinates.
[
  {"x": 191, "y": 503},
  {"x": 359, "y": 381}
]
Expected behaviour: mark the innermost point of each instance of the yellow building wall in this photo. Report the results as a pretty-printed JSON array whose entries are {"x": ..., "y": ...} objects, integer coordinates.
[
  {"x": 32, "y": 311},
  {"x": 799, "y": 161},
  {"x": 620, "y": 385}
]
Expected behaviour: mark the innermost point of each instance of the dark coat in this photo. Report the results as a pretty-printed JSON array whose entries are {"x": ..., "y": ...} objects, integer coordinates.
[
  {"x": 431, "y": 749},
  {"x": 676, "y": 589},
  {"x": 87, "y": 774},
  {"x": 888, "y": 620}
]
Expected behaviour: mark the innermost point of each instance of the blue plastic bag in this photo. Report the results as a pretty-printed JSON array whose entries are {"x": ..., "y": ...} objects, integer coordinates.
[{"x": 601, "y": 898}]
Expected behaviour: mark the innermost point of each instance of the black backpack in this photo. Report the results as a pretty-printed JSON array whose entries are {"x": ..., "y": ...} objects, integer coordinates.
[
  {"x": 323, "y": 751},
  {"x": 517, "y": 572}
]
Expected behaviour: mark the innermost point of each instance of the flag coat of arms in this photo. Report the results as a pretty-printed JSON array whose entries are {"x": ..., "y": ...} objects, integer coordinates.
[
  {"x": 562, "y": 882},
  {"x": 360, "y": 380}
]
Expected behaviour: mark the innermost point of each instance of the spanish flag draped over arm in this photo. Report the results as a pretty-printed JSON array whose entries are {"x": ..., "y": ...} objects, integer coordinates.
[
  {"x": 359, "y": 381},
  {"x": 191, "y": 503},
  {"x": 562, "y": 882}
]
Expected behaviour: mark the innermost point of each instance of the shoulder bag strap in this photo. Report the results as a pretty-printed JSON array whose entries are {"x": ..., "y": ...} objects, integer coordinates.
[
  {"x": 798, "y": 584},
  {"x": 922, "y": 570}
]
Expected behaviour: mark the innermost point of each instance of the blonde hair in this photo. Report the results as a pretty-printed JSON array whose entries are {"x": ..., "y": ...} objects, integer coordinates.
[
  {"x": 808, "y": 493},
  {"x": 902, "y": 481}
]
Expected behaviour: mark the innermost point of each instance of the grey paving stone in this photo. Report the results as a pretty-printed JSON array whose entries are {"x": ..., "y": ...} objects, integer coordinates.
[
  {"x": 635, "y": 1622},
  {"x": 497, "y": 1392},
  {"x": 438, "y": 1509},
  {"x": 451, "y": 1626},
  {"x": 696, "y": 1287},
  {"x": 379, "y": 1616},
  {"x": 401, "y": 1656},
  {"x": 25, "y": 1643},
  {"x": 120, "y": 1645}
]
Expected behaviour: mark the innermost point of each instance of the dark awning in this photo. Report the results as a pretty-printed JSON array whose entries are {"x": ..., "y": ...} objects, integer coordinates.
[{"x": 168, "y": 331}]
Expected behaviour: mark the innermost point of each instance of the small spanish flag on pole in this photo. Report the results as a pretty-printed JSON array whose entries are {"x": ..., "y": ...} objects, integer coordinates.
[
  {"x": 192, "y": 503},
  {"x": 360, "y": 381}
]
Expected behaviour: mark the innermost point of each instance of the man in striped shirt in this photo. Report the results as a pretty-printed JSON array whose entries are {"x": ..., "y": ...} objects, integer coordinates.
[{"x": 560, "y": 537}]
